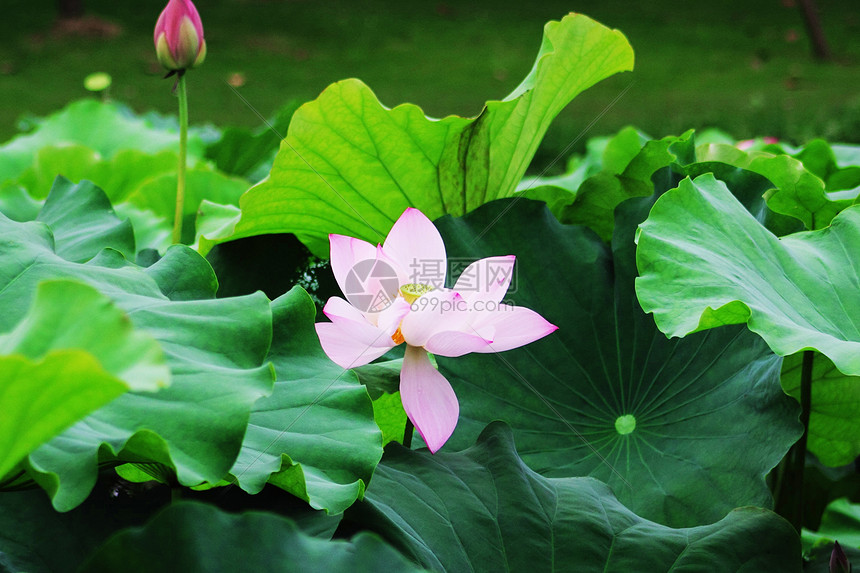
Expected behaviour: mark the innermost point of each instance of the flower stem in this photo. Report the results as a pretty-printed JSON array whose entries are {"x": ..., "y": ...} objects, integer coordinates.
[
  {"x": 787, "y": 485},
  {"x": 183, "y": 152},
  {"x": 407, "y": 434},
  {"x": 800, "y": 453}
]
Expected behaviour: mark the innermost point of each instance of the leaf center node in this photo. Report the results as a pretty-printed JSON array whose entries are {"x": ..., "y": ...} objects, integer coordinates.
[{"x": 625, "y": 424}]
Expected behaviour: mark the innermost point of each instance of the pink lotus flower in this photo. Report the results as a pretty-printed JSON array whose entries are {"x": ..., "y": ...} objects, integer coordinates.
[
  {"x": 178, "y": 37},
  {"x": 397, "y": 295}
]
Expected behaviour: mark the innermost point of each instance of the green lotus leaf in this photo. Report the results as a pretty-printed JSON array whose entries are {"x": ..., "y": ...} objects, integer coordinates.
[
  {"x": 81, "y": 218},
  {"x": 141, "y": 186},
  {"x": 809, "y": 184},
  {"x": 839, "y": 522},
  {"x": 622, "y": 148},
  {"x": 103, "y": 127},
  {"x": 250, "y": 153},
  {"x": 197, "y": 537},
  {"x": 118, "y": 175},
  {"x": 158, "y": 195},
  {"x": 390, "y": 417},
  {"x": 36, "y": 538},
  {"x": 381, "y": 377},
  {"x": 629, "y": 174},
  {"x": 834, "y": 421},
  {"x": 351, "y": 165},
  {"x": 483, "y": 510},
  {"x": 682, "y": 430},
  {"x": 72, "y": 161},
  {"x": 67, "y": 315},
  {"x": 215, "y": 350},
  {"x": 382, "y": 380},
  {"x": 72, "y": 353},
  {"x": 71, "y": 384},
  {"x": 214, "y": 220},
  {"x": 658, "y": 166},
  {"x": 151, "y": 232},
  {"x": 83, "y": 222},
  {"x": 797, "y": 191},
  {"x": 837, "y": 165},
  {"x": 315, "y": 436},
  {"x": 17, "y": 204},
  {"x": 818, "y": 157},
  {"x": 705, "y": 261},
  {"x": 610, "y": 154},
  {"x": 846, "y": 155}
]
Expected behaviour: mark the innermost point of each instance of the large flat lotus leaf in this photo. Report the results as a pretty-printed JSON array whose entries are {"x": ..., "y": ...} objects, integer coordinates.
[
  {"x": 350, "y": 165},
  {"x": 483, "y": 510},
  {"x": 215, "y": 350},
  {"x": 104, "y": 127},
  {"x": 197, "y": 537},
  {"x": 71, "y": 354},
  {"x": 119, "y": 177},
  {"x": 834, "y": 422},
  {"x": 316, "y": 431},
  {"x": 710, "y": 417},
  {"x": 705, "y": 261}
]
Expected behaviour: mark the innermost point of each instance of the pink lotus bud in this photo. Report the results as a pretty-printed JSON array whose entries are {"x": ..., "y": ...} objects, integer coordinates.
[
  {"x": 838, "y": 560},
  {"x": 179, "y": 41}
]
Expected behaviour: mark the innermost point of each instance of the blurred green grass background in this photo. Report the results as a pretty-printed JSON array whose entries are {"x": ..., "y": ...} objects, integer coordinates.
[{"x": 741, "y": 65}]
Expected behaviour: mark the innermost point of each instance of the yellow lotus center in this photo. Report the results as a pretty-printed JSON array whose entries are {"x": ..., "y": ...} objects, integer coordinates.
[{"x": 412, "y": 292}]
